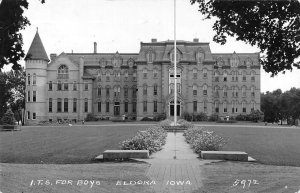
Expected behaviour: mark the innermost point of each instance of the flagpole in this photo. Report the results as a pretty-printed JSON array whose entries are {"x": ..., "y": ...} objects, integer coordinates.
[{"x": 175, "y": 68}]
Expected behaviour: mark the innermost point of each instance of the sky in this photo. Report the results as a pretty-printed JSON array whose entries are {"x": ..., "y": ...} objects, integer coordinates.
[{"x": 120, "y": 25}]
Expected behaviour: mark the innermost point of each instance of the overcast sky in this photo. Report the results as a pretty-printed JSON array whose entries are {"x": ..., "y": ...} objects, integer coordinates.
[{"x": 120, "y": 25}]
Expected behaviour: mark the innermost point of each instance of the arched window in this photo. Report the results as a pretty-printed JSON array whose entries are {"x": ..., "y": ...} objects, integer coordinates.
[
  {"x": 216, "y": 75},
  {"x": 225, "y": 76},
  {"x": 34, "y": 79},
  {"x": 107, "y": 74},
  {"x": 171, "y": 88},
  {"x": 234, "y": 76},
  {"x": 155, "y": 73},
  {"x": 234, "y": 107},
  {"x": 74, "y": 85},
  {"x": 248, "y": 62},
  {"x": 220, "y": 62},
  {"x": 86, "y": 107},
  {"x": 252, "y": 76},
  {"x": 194, "y": 90},
  {"x": 59, "y": 87},
  {"x": 126, "y": 91},
  {"x": 205, "y": 90},
  {"x": 244, "y": 91},
  {"x": 172, "y": 56},
  {"x": 28, "y": 79},
  {"x": 216, "y": 106},
  {"x": 117, "y": 90},
  {"x": 63, "y": 72},
  {"x": 99, "y": 76},
  {"x": 225, "y": 91},
  {"x": 145, "y": 73},
  {"x": 50, "y": 85},
  {"x": 155, "y": 89},
  {"x": 99, "y": 91},
  {"x": 205, "y": 106},
  {"x": 252, "y": 105},
  {"x": 150, "y": 57},
  {"x": 204, "y": 73},
  {"x": 134, "y": 76},
  {"x": 195, "y": 73},
  {"x": 252, "y": 91},
  {"x": 195, "y": 106},
  {"x": 225, "y": 107},
  {"x": 217, "y": 91},
  {"x": 107, "y": 88},
  {"x": 199, "y": 57},
  {"x": 244, "y": 107},
  {"x": 126, "y": 75},
  {"x": 244, "y": 74},
  {"x": 234, "y": 61},
  {"x": 133, "y": 92}
]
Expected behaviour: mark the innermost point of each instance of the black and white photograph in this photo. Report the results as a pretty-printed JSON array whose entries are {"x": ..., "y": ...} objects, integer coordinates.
[{"x": 149, "y": 96}]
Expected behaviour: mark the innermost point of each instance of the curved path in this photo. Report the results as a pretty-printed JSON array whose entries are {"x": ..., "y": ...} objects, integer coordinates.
[{"x": 182, "y": 174}]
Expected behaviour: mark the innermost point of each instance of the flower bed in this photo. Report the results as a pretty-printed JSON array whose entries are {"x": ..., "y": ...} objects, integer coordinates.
[
  {"x": 203, "y": 140},
  {"x": 151, "y": 139}
]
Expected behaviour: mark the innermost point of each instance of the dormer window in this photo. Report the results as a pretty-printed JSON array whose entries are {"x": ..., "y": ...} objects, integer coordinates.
[
  {"x": 199, "y": 57},
  {"x": 150, "y": 57},
  {"x": 249, "y": 62},
  {"x": 172, "y": 56},
  {"x": 234, "y": 61},
  {"x": 220, "y": 62},
  {"x": 63, "y": 72}
]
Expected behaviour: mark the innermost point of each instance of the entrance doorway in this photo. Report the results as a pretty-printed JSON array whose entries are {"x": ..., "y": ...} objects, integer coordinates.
[
  {"x": 172, "y": 106},
  {"x": 117, "y": 109}
]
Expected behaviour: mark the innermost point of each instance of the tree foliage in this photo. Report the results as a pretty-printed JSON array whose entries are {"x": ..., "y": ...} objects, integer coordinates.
[
  {"x": 12, "y": 21},
  {"x": 279, "y": 106},
  {"x": 274, "y": 26}
]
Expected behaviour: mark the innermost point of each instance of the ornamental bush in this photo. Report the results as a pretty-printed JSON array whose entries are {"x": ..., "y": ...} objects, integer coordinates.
[
  {"x": 185, "y": 124},
  {"x": 203, "y": 140},
  {"x": 151, "y": 139},
  {"x": 8, "y": 118}
]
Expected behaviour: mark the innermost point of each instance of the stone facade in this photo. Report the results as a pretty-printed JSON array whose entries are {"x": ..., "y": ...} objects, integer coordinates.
[{"x": 139, "y": 85}]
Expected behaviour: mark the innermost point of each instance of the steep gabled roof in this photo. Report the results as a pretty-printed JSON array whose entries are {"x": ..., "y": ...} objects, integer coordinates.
[{"x": 37, "y": 50}]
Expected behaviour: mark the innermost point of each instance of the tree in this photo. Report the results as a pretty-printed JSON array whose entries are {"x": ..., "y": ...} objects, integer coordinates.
[
  {"x": 11, "y": 22},
  {"x": 8, "y": 118},
  {"x": 256, "y": 115},
  {"x": 274, "y": 26}
]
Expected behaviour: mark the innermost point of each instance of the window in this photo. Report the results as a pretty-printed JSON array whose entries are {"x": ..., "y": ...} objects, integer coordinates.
[
  {"x": 194, "y": 90},
  {"x": 28, "y": 96},
  {"x": 99, "y": 91},
  {"x": 172, "y": 56},
  {"x": 145, "y": 90},
  {"x": 204, "y": 73},
  {"x": 243, "y": 107},
  {"x": 225, "y": 76},
  {"x": 155, "y": 90},
  {"x": 34, "y": 79},
  {"x": 28, "y": 114},
  {"x": 50, "y": 85},
  {"x": 134, "y": 76},
  {"x": 74, "y": 85},
  {"x": 234, "y": 76},
  {"x": 252, "y": 106},
  {"x": 50, "y": 105},
  {"x": 126, "y": 107},
  {"x": 28, "y": 79},
  {"x": 155, "y": 73},
  {"x": 234, "y": 60},
  {"x": 59, "y": 104},
  {"x": 145, "y": 106},
  {"x": 217, "y": 91},
  {"x": 34, "y": 96},
  {"x": 155, "y": 106},
  {"x": 225, "y": 91},
  {"x": 178, "y": 88},
  {"x": 216, "y": 77},
  {"x": 225, "y": 107},
  {"x": 252, "y": 92},
  {"x": 216, "y": 106},
  {"x": 172, "y": 88},
  {"x": 126, "y": 75},
  {"x": 145, "y": 73},
  {"x": 150, "y": 56},
  {"x": 199, "y": 56},
  {"x": 117, "y": 75},
  {"x": 205, "y": 90},
  {"x": 99, "y": 107},
  {"x": 107, "y": 91},
  {"x": 252, "y": 76},
  {"x": 134, "y": 107},
  {"x": 205, "y": 106},
  {"x": 117, "y": 91},
  {"x": 63, "y": 72},
  {"x": 66, "y": 104},
  {"x": 59, "y": 85},
  {"x": 195, "y": 74},
  {"x": 66, "y": 86},
  {"x": 125, "y": 91},
  {"x": 234, "y": 107},
  {"x": 74, "y": 105},
  {"x": 244, "y": 91},
  {"x": 244, "y": 76},
  {"x": 107, "y": 74},
  {"x": 134, "y": 92},
  {"x": 194, "y": 106},
  {"x": 86, "y": 107},
  {"x": 99, "y": 76},
  {"x": 107, "y": 107},
  {"x": 86, "y": 86},
  {"x": 33, "y": 116}
]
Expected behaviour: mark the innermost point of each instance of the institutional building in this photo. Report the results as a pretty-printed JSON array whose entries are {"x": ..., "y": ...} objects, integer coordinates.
[{"x": 108, "y": 85}]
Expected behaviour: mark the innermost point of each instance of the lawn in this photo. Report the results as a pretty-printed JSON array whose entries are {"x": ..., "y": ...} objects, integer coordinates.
[
  {"x": 76, "y": 144},
  {"x": 268, "y": 145}
]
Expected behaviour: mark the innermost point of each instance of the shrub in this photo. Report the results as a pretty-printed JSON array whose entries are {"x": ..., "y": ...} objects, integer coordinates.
[
  {"x": 160, "y": 117},
  {"x": 256, "y": 116},
  {"x": 91, "y": 117},
  {"x": 164, "y": 123},
  {"x": 152, "y": 139},
  {"x": 202, "y": 140},
  {"x": 146, "y": 119},
  {"x": 8, "y": 118},
  {"x": 186, "y": 116},
  {"x": 185, "y": 124},
  {"x": 225, "y": 121},
  {"x": 214, "y": 117},
  {"x": 200, "y": 117}
]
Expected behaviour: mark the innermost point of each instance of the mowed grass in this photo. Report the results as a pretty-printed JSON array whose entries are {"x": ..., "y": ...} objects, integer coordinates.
[
  {"x": 62, "y": 145},
  {"x": 268, "y": 145}
]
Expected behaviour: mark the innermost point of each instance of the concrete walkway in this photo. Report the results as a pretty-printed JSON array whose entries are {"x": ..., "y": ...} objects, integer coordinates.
[{"x": 182, "y": 174}]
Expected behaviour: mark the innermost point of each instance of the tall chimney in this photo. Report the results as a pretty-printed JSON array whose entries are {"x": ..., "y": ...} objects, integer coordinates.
[
  {"x": 154, "y": 40},
  {"x": 196, "y": 40},
  {"x": 95, "y": 47}
]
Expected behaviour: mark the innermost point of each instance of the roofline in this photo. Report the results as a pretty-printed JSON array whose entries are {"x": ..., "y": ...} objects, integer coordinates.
[
  {"x": 177, "y": 42},
  {"x": 101, "y": 53},
  {"x": 236, "y": 53}
]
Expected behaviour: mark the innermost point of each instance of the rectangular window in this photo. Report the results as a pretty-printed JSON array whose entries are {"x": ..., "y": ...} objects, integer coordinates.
[
  {"x": 145, "y": 90},
  {"x": 33, "y": 116},
  {"x": 28, "y": 96},
  {"x": 66, "y": 86},
  {"x": 225, "y": 79},
  {"x": 50, "y": 105},
  {"x": 155, "y": 90},
  {"x": 155, "y": 106},
  {"x": 204, "y": 92},
  {"x": 66, "y": 105},
  {"x": 59, "y": 105},
  {"x": 86, "y": 107},
  {"x": 86, "y": 86},
  {"x": 244, "y": 78},
  {"x": 126, "y": 107},
  {"x": 126, "y": 92},
  {"x": 28, "y": 79},
  {"x": 34, "y": 96},
  {"x": 107, "y": 92},
  {"x": 253, "y": 94},
  {"x": 252, "y": 78},
  {"x": 74, "y": 86},
  {"x": 50, "y": 85},
  {"x": 194, "y": 92},
  {"x": 134, "y": 107},
  {"x": 99, "y": 91},
  {"x": 107, "y": 107},
  {"x": 217, "y": 79},
  {"x": 205, "y": 107},
  {"x": 58, "y": 85},
  {"x": 195, "y": 106},
  {"x": 244, "y": 109},
  {"x": 99, "y": 107},
  {"x": 28, "y": 114},
  {"x": 145, "y": 106},
  {"x": 225, "y": 94},
  {"x": 74, "y": 105}
]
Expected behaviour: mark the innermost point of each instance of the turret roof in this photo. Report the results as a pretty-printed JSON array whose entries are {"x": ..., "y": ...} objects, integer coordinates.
[{"x": 37, "y": 50}]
